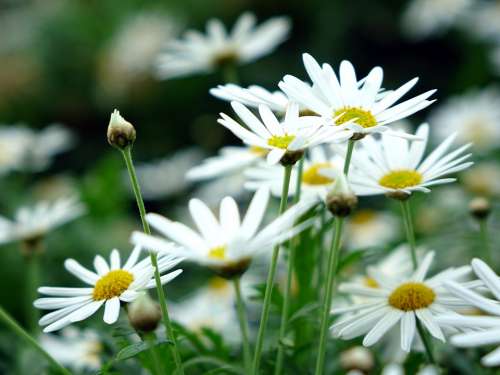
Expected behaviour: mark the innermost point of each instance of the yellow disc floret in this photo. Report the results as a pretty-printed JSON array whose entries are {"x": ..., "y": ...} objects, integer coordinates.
[
  {"x": 218, "y": 252},
  {"x": 370, "y": 282},
  {"x": 113, "y": 284},
  {"x": 363, "y": 217},
  {"x": 359, "y": 116},
  {"x": 412, "y": 296},
  {"x": 280, "y": 141},
  {"x": 312, "y": 176},
  {"x": 401, "y": 179},
  {"x": 256, "y": 150}
]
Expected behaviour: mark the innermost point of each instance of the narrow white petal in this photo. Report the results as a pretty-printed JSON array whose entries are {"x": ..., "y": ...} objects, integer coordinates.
[
  {"x": 408, "y": 325},
  {"x": 79, "y": 271},
  {"x": 425, "y": 316},
  {"x": 111, "y": 310},
  {"x": 382, "y": 326}
]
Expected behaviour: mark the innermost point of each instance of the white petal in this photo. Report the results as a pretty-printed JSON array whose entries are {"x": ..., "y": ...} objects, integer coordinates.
[
  {"x": 429, "y": 322},
  {"x": 229, "y": 216},
  {"x": 485, "y": 273},
  {"x": 114, "y": 259},
  {"x": 255, "y": 212},
  {"x": 111, "y": 310},
  {"x": 408, "y": 325},
  {"x": 382, "y": 326},
  {"x": 132, "y": 259},
  {"x": 472, "y": 339},
  {"x": 100, "y": 265},
  {"x": 79, "y": 271}
]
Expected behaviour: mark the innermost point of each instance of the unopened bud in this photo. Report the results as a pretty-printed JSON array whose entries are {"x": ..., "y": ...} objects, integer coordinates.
[
  {"x": 121, "y": 133},
  {"x": 144, "y": 314},
  {"x": 357, "y": 358},
  {"x": 480, "y": 208},
  {"x": 291, "y": 157},
  {"x": 341, "y": 200}
]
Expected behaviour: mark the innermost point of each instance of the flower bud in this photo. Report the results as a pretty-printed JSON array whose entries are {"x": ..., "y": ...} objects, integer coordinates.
[
  {"x": 291, "y": 157},
  {"x": 341, "y": 200},
  {"x": 144, "y": 314},
  {"x": 480, "y": 208},
  {"x": 121, "y": 133},
  {"x": 357, "y": 358}
]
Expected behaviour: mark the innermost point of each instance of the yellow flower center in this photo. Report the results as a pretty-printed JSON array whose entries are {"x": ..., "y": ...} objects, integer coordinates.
[
  {"x": 401, "y": 179},
  {"x": 280, "y": 141},
  {"x": 370, "y": 282},
  {"x": 360, "y": 116},
  {"x": 363, "y": 217},
  {"x": 256, "y": 150},
  {"x": 311, "y": 175},
  {"x": 218, "y": 252},
  {"x": 412, "y": 296},
  {"x": 113, "y": 284}
]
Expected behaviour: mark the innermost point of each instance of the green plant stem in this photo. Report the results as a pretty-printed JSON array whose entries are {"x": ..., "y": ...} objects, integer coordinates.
[
  {"x": 289, "y": 278},
  {"x": 230, "y": 73},
  {"x": 127, "y": 155},
  {"x": 270, "y": 279},
  {"x": 242, "y": 317},
  {"x": 151, "y": 339},
  {"x": 410, "y": 235},
  {"x": 33, "y": 278},
  {"x": 348, "y": 156},
  {"x": 18, "y": 330},
  {"x": 483, "y": 232},
  {"x": 333, "y": 259}
]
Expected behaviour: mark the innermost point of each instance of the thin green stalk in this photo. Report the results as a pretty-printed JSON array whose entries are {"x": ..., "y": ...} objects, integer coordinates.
[
  {"x": 151, "y": 339},
  {"x": 242, "y": 317},
  {"x": 333, "y": 258},
  {"x": 18, "y": 330},
  {"x": 410, "y": 233},
  {"x": 288, "y": 289},
  {"x": 33, "y": 278},
  {"x": 348, "y": 156},
  {"x": 483, "y": 232},
  {"x": 230, "y": 73},
  {"x": 427, "y": 343},
  {"x": 270, "y": 279},
  {"x": 127, "y": 155}
]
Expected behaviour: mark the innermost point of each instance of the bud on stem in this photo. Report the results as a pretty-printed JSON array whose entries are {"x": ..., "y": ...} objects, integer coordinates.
[{"x": 121, "y": 133}]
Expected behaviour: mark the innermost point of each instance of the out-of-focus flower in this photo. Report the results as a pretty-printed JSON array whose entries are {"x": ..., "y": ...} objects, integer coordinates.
[
  {"x": 398, "y": 300},
  {"x": 33, "y": 223},
  {"x": 474, "y": 116},
  {"x": 483, "y": 179},
  {"x": 357, "y": 358},
  {"x": 397, "y": 369},
  {"x": 232, "y": 185},
  {"x": 395, "y": 167},
  {"x": 423, "y": 18},
  {"x": 110, "y": 285},
  {"x": 484, "y": 19},
  {"x": 25, "y": 149},
  {"x": 77, "y": 349},
  {"x": 370, "y": 228},
  {"x": 226, "y": 245},
  {"x": 199, "y": 53},
  {"x": 166, "y": 177},
  {"x": 346, "y": 102}
]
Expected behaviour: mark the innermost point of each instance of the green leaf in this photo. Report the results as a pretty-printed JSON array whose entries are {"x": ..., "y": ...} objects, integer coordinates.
[
  {"x": 304, "y": 312},
  {"x": 137, "y": 348},
  {"x": 212, "y": 361}
]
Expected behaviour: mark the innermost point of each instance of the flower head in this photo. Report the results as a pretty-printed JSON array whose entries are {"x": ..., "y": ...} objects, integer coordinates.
[
  {"x": 110, "y": 284},
  {"x": 198, "y": 53},
  {"x": 121, "y": 133}
]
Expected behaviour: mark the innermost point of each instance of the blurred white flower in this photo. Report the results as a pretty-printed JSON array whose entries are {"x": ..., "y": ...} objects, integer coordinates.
[
  {"x": 357, "y": 358},
  {"x": 483, "y": 179},
  {"x": 25, "y": 149},
  {"x": 199, "y": 53},
  {"x": 211, "y": 192},
  {"x": 423, "y": 18},
  {"x": 397, "y": 369},
  {"x": 474, "y": 116},
  {"x": 74, "y": 348},
  {"x": 166, "y": 177},
  {"x": 34, "y": 222},
  {"x": 370, "y": 228},
  {"x": 484, "y": 20}
]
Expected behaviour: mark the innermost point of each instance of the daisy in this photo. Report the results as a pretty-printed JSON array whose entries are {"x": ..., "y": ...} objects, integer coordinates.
[
  {"x": 395, "y": 166},
  {"x": 398, "y": 300},
  {"x": 485, "y": 330},
  {"x": 474, "y": 116},
  {"x": 78, "y": 349},
  {"x": 318, "y": 175},
  {"x": 344, "y": 102},
  {"x": 111, "y": 284},
  {"x": 294, "y": 134},
  {"x": 226, "y": 245},
  {"x": 370, "y": 228},
  {"x": 33, "y": 223},
  {"x": 198, "y": 53}
]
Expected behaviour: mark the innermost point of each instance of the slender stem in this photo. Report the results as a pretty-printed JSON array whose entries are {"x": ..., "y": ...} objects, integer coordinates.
[
  {"x": 289, "y": 277},
  {"x": 270, "y": 279},
  {"x": 427, "y": 343},
  {"x": 151, "y": 339},
  {"x": 483, "y": 232},
  {"x": 333, "y": 258},
  {"x": 410, "y": 233},
  {"x": 18, "y": 330},
  {"x": 230, "y": 73},
  {"x": 127, "y": 155},
  {"x": 348, "y": 156},
  {"x": 33, "y": 278},
  {"x": 242, "y": 316}
]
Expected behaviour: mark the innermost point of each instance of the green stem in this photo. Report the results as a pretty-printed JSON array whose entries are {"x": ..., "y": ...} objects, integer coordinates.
[
  {"x": 242, "y": 316},
  {"x": 288, "y": 289},
  {"x": 270, "y": 279},
  {"x": 127, "y": 155},
  {"x": 410, "y": 233},
  {"x": 18, "y": 330},
  {"x": 348, "y": 156},
  {"x": 333, "y": 258},
  {"x": 427, "y": 343},
  {"x": 483, "y": 232},
  {"x": 33, "y": 278},
  {"x": 230, "y": 73}
]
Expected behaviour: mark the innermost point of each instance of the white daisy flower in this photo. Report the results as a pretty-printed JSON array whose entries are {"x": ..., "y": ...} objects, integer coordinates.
[
  {"x": 486, "y": 328},
  {"x": 344, "y": 102},
  {"x": 111, "y": 284},
  {"x": 395, "y": 166},
  {"x": 25, "y": 149},
  {"x": 483, "y": 179},
  {"x": 294, "y": 134},
  {"x": 74, "y": 348},
  {"x": 423, "y": 18},
  {"x": 32, "y": 223},
  {"x": 369, "y": 228},
  {"x": 253, "y": 96},
  {"x": 227, "y": 245},
  {"x": 318, "y": 175},
  {"x": 474, "y": 116},
  {"x": 398, "y": 300},
  {"x": 198, "y": 53},
  {"x": 397, "y": 369}
]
